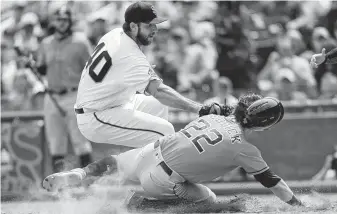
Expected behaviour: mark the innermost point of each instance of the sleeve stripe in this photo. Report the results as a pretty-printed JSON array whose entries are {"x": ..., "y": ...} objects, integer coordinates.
[{"x": 259, "y": 171}]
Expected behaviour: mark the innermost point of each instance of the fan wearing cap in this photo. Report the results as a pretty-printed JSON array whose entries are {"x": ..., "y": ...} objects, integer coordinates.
[
  {"x": 121, "y": 100},
  {"x": 174, "y": 166}
]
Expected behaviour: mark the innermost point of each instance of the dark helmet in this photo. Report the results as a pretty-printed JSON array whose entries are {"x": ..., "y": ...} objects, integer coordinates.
[{"x": 263, "y": 114}]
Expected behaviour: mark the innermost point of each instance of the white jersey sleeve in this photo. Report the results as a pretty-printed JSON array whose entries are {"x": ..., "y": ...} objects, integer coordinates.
[{"x": 114, "y": 73}]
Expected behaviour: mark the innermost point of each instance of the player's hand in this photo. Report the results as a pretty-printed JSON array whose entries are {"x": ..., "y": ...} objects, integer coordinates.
[
  {"x": 215, "y": 108},
  {"x": 318, "y": 59}
]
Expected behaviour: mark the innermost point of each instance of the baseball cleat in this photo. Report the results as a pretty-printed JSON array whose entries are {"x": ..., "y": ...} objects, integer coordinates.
[{"x": 59, "y": 180}]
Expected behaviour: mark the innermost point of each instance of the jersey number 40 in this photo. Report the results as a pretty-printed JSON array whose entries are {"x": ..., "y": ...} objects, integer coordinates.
[
  {"x": 93, "y": 62},
  {"x": 200, "y": 133}
]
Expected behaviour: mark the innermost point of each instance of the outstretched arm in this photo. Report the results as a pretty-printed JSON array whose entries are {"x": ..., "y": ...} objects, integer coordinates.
[
  {"x": 170, "y": 97},
  {"x": 320, "y": 58},
  {"x": 278, "y": 187}
]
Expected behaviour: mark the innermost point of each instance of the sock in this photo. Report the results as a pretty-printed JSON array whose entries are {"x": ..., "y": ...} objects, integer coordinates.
[
  {"x": 58, "y": 163},
  {"x": 85, "y": 159}
]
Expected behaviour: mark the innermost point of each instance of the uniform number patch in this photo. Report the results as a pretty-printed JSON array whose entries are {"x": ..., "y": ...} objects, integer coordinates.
[
  {"x": 198, "y": 132},
  {"x": 93, "y": 62}
]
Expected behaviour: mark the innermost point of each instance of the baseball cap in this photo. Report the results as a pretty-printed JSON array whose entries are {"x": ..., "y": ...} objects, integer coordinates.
[
  {"x": 142, "y": 12},
  {"x": 29, "y": 19}
]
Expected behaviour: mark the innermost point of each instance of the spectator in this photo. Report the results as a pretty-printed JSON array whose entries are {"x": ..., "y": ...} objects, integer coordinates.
[
  {"x": 11, "y": 26},
  {"x": 158, "y": 55},
  {"x": 234, "y": 47},
  {"x": 179, "y": 42},
  {"x": 297, "y": 41},
  {"x": 223, "y": 93},
  {"x": 26, "y": 37},
  {"x": 201, "y": 60},
  {"x": 285, "y": 87},
  {"x": 284, "y": 57},
  {"x": 310, "y": 14},
  {"x": 318, "y": 38},
  {"x": 331, "y": 19}
]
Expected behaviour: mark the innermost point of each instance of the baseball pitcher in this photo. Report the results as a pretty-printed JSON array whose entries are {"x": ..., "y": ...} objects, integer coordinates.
[{"x": 120, "y": 99}]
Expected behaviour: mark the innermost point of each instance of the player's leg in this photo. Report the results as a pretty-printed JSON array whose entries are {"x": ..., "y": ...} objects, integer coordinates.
[
  {"x": 82, "y": 147},
  {"x": 123, "y": 126},
  {"x": 126, "y": 163},
  {"x": 56, "y": 134},
  {"x": 73, "y": 177}
]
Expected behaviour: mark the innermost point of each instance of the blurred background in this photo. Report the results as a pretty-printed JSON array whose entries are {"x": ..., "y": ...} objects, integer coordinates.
[{"x": 210, "y": 52}]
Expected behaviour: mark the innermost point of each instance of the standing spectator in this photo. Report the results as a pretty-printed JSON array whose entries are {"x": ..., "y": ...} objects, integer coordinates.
[
  {"x": 234, "y": 47},
  {"x": 62, "y": 56},
  {"x": 284, "y": 57},
  {"x": 199, "y": 64}
]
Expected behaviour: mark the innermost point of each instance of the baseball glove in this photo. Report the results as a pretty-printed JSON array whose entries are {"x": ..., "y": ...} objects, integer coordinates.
[{"x": 215, "y": 108}]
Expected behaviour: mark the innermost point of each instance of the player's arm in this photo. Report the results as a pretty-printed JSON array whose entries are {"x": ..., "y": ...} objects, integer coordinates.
[
  {"x": 321, "y": 58},
  {"x": 251, "y": 160},
  {"x": 331, "y": 57},
  {"x": 277, "y": 185},
  {"x": 170, "y": 97}
]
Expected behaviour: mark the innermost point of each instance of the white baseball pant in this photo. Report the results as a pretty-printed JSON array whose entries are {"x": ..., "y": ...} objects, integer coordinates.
[
  {"x": 135, "y": 124},
  {"x": 143, "y": 165}
]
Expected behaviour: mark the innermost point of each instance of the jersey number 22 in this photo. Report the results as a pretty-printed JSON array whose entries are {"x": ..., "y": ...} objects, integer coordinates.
[
  {"x": 201, "y": 133},
  {"x": 93, "y": 62}
]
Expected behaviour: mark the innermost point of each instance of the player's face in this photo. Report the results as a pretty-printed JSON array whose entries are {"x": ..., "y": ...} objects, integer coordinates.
[{"x": 146, "y": 33}]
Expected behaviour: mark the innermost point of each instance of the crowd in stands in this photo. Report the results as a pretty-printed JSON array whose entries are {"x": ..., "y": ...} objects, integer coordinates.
[{"x": 208, "y": 50}]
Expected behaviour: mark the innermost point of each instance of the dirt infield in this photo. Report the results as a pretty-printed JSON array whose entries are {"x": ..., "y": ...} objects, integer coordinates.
[{"x": 317, "y": 203}]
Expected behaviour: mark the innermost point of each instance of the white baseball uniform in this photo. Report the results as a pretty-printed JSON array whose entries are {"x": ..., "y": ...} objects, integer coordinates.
[{"x": 112, "y": 94}]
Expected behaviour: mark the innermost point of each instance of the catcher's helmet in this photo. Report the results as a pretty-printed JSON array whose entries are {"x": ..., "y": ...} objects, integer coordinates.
[{"x": 263, "y": 114}]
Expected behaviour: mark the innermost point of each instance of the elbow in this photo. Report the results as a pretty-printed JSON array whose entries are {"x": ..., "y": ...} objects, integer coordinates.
[{"x": 268, "y": 179}]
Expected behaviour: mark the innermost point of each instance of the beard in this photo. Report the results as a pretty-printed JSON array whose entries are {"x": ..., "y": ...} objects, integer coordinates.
[{"x": 144, "y": 40}]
